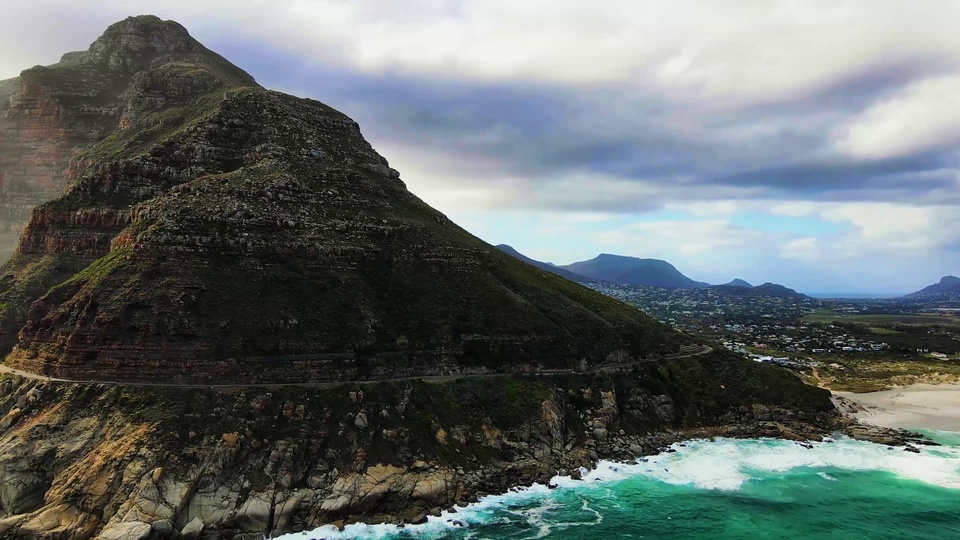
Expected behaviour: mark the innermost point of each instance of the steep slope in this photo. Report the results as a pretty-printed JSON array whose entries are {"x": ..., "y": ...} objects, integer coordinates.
[
  {"x": 241, "y": 234},
  {"x": 633, "y": 271},
  {"x": 49, "y": 114},
  {"x": 544, "y": 266},
  {"x": 946, "y": 285}
]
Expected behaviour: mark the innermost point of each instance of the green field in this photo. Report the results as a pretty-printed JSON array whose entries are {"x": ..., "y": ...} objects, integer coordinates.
[{"x": 886, "y": 321}]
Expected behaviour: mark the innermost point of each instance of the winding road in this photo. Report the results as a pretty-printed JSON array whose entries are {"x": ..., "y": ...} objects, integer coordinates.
[{"x": 332, "y": 384}]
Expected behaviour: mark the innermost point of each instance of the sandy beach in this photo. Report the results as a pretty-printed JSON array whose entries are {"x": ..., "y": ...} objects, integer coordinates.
[{"x": 918, "y": 406}]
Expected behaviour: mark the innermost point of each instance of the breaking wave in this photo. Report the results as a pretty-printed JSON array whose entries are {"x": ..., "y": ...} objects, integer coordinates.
[{"x": 685, "y": 476}]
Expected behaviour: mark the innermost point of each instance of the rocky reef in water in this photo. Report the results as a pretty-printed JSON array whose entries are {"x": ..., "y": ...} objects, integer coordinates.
[{"x": 212, "y": 231}]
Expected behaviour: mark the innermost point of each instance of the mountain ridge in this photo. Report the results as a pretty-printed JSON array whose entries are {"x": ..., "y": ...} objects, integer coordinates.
[
  {"x": 549, "y": 267},
  {"x": 946, "y": 285},
  {"x": 50, "y": 114},
  {"x": 633, "y": 271}
]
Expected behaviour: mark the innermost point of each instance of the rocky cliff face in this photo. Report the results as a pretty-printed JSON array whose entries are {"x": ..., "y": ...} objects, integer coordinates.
[
  {"x": 84, "y": 461},
  {"x": 50, "y": 114}
]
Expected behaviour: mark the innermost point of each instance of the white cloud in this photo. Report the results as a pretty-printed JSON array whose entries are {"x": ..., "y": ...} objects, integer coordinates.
[
  {"x": 923, "y": 116},
  {"x": 880, "y": 231},
  {"x": 733, "y": 50},
  {"x": 702, "y": 237},
  {"x": 805, "y": 248}
]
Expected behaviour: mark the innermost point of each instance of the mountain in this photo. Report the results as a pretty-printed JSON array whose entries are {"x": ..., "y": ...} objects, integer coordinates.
[
  {"x": 633, "y": 271},
  {"x": 946, "y": 285},
  {"x": 738, "y": 283},
  {"x": 549, "y": 267},
  {"x": 766, "y": 289},
  {"x": 224, "y": 231},
  {"x": 777, "y": 290},
  {"x": 237, "y": 322},
  {"x": 48, "y": 115}
]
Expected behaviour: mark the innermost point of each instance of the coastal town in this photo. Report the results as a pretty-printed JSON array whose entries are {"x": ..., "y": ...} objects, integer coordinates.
[{"x": 805, "y": 333}]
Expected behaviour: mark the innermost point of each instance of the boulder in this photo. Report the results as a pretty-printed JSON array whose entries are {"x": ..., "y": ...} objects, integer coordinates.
[
  {"x": 192, "y": 529},
  {"x": 128, "y": 530}
]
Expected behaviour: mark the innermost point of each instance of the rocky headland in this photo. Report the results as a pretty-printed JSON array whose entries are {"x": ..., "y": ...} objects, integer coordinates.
[{"x": 182, "y": 226}]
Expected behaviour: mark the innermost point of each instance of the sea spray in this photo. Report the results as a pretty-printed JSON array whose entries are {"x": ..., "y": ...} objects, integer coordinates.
[{"x": 725, "y": 488}]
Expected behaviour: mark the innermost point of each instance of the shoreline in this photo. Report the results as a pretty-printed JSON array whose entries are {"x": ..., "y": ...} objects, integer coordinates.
[
  {"x": 603, "y": 470},
  {"x": 917, "y": 406}
]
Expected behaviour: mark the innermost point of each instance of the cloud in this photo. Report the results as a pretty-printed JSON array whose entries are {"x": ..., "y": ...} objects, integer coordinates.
[
  {"x": 924, "y": 116},
  {"x": 691, "y": 237}
]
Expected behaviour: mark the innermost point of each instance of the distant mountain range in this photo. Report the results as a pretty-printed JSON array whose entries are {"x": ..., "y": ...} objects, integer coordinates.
[
  {"x": 633, "y": 271},
  {"x": 766, "y": 289},
  {"x": 947, "y": 285},
  {"x": 647, "y": 272},
  {"x": 545, "y": 266}
]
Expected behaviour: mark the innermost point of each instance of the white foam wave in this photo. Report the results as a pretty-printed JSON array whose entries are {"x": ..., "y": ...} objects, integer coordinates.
[
  {"x": 723, "y": 464},
  {"x": 728, "y": 464}
]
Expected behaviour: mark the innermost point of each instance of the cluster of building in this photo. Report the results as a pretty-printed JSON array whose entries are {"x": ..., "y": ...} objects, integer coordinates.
[
  {"x": 767, "y": 329},
  {"x": 755, "y": 340},
  {"x": 691, "y": 309}
]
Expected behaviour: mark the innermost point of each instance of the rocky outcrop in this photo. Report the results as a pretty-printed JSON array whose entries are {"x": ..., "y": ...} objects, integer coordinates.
[
  {"x": 92, "y": 461},
  {"x": 50, "y": 114}
]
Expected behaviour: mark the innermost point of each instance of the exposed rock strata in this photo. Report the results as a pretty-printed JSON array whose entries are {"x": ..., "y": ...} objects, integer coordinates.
[
  {"x": 113, "y": 462},
  {"x": 49, "y": 114}
]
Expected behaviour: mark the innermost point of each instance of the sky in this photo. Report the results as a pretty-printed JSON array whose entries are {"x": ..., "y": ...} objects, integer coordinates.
[{"x": 810, "y": 143}]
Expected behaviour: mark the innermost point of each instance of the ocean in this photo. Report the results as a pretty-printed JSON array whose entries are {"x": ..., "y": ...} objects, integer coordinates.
[{"x": 723, "y": 489}]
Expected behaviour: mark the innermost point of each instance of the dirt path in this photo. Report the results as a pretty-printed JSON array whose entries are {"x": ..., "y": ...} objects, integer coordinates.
[{"x": 331, "y": 384}]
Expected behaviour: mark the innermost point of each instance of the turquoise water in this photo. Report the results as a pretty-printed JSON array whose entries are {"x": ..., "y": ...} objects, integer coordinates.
[{"x": 725, "y": 489}]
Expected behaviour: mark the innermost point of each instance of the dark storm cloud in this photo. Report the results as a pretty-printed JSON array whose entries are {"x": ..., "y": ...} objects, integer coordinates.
[
  {"x": 542, "y": 131},
  {"x": 814, "y": 177}
]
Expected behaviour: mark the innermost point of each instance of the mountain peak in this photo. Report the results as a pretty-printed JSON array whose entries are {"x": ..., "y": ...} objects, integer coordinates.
[
  {"x": 633, "y": 271},
  {"x": 125, "y": 45},
  {"x": 138, "y": 73},
  {"x": 145, "y": 42},
  {"x": 739, "y": 283}
]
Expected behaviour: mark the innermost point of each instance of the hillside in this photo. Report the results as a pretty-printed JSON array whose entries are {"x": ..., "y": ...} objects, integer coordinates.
[
  {"x": 231, "y": 232},
  {"x": 946, "y": 286},
  {"x": 633, "y": 271},
  {"x": 544, "y": 266}
]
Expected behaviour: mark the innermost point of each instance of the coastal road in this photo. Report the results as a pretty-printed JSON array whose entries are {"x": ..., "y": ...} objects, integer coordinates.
[{"x": 332, "y": 384}]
